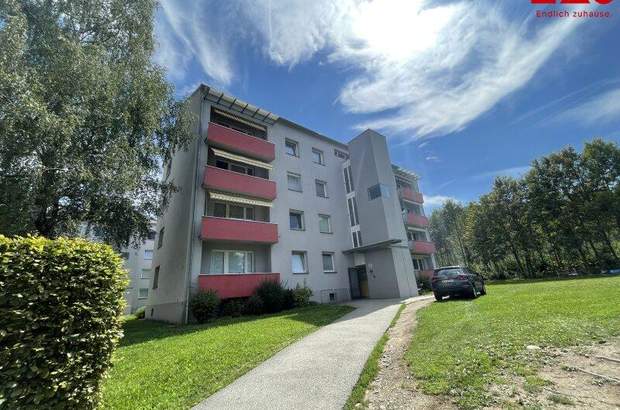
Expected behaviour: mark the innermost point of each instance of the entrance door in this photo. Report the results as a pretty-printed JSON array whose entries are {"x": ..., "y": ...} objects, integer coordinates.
[
  {"x": 354, "y": 283},
  {"x": 363, "y": 280}
]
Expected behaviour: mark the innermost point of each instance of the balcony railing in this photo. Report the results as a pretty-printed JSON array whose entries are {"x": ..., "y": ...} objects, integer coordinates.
[
  {"x": 410, "y": 195},
  {"x": 422, "y": 247},
  {"x": 416, "y": 220},
  {"x": 241, "y": 143},
  {"x": 233, "y": 285},
  {"x": 237, "y": 230},
  {"x": 230, "y": 181}
]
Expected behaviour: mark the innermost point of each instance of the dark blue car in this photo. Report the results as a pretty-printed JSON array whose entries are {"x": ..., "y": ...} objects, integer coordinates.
[{"x": 457, "y": 280}]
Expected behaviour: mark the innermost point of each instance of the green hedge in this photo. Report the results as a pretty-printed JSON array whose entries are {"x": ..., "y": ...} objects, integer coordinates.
[{"x": 60, "y": 307}]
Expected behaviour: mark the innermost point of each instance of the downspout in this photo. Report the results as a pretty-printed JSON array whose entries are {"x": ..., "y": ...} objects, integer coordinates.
[{"x": 190, "y": 230}]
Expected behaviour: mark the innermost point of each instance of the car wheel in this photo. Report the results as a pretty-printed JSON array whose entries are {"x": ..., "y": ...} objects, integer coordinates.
[
  {"x": 484, "y": 290},
  {"x": 438, "y": 297},
  {"x": 474, "y": 292}
]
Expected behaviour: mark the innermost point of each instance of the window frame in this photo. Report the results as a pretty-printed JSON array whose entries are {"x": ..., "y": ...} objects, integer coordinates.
[
  {"x": 295, "y": 145},
  {"x": 321, "y": 156},
  {"x": 304, "y": 256},
  {"x": 294, "y": 175},
  {"x": 301, "y": 219},
  {"x": 333, "y": 261},
  {"x": 143, "y": 297},
  {"x": 329, "y": 223},
  {"x": 226, "y": 262},
  {"x": 318, "y": 182},
  {"x": 228, "y": 205}
]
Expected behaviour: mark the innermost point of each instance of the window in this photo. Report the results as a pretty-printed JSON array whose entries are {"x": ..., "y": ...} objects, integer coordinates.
[
  {"x": 357, "y": 239},
  {"x": 148, "y": 254},
  {"x": 321, "y": 188},
  {"x": 353, "y": 217},
  {"x": 416, "y": 235},
  {"x": 296, "y": 220},
  {"x": 156, "y": 278},
  {"x": 292, "y": 147},
  {"x": 340, "y": 154},
  {"x": 348, "y": 180},
  {"x": 294, "y": 182},
  {"x": 151, "y": 235},
  {"x": 143, "y": 293},
  {"x": 235, "y": 167},
  {"x": 379, "y": 190},
  {"x": 160, "y": 239},
  {"x": 231, "y": 261},
  {"x": 145, "y": 274},
  {"x": 418, "y": 264},
  {"x": 325, "y": 224},
  {"x": 328, "y": 262},
  {"x": 222, "y": 210},
  {"x": 125, "y": 255},
  {"x": 318, "y": 157},
  {"x": 299, "y": 262}
]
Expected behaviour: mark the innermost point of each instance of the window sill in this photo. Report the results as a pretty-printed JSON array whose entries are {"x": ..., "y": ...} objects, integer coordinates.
[
  {"x": 295, "y": 190},
  {"x": 300, "y": 273},
  {"x": 329, "y": 233},
  {"x": 297, "y": 230},
  {"x": 330, "y": 272}
]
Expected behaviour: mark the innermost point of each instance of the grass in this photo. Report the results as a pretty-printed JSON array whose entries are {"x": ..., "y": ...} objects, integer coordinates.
[
  {"x": 561, "y": 399},
  {"x": 460, "y": 346},
  {"x": 162, "y": 366},
  {"x": 371, "y": 368}
]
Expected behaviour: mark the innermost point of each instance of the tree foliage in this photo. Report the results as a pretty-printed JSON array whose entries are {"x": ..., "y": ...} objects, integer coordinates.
[
  {"x": 563, "y": 215},
  {"x": 86, "y": 118}
]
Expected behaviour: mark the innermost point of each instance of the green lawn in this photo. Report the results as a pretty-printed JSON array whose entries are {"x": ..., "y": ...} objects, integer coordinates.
[
  {"x": 459, "y": 346},
  {"x": 160, "y": 366}
]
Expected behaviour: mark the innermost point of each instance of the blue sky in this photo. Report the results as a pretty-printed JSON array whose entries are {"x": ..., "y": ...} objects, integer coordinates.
[{"x": 464, "y": 91}]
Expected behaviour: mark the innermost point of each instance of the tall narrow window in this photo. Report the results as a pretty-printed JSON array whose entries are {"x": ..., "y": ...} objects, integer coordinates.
[
  {"x": 156, "y": 278},
  {"x": 348, "y": 180},
  {"x": 292, "y": 147},
  {"x": 298, "y": 262},
  {"x": 353, "y": 211},
  {"x": 317, "y": 156},
  {"x": 321, "y": 188},
  {"x": 296, "y": 220},
  {"x": 294, "y": 182},
  {"x": 325, "y": 224},
  {"x": 160, "y": 239},
  {"x": 328, "y": 262}
]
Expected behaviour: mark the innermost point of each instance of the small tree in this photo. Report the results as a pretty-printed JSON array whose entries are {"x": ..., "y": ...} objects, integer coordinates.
[{"x": 205, "y": 305}]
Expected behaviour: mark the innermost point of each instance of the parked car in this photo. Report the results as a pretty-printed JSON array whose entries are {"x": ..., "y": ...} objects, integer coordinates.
[{"x": 457, "y": 280}]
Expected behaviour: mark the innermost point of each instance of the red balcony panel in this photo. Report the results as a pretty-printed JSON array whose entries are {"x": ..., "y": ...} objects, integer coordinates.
[
  {"x": 240, "y": 143},
  {"x": 422, "y": 247},
  {"x": 416, "y": 220},
  {"x": 229, "y": 181},
  {"x": 410, "y": 195},
  {"x": 235, "y": 230},
  {"x": 230, "y": 285}
]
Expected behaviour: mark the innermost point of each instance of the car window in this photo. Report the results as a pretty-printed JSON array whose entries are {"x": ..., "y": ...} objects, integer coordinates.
[{"x": 448, "y": 273}]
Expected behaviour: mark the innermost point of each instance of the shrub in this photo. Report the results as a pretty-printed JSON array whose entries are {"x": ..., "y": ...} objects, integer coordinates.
[
  {"x": 254, "y": 305},
  {"x": 139, "y": 313},
  {"x": 289, "y": 299},
  {"x": 232, "y": 307},
  {"x": 302, "y": 295},
  {"x": 204, "y": 305},
  {"x": 60, "y": 319},
  {"x": 272, "y": 294}
]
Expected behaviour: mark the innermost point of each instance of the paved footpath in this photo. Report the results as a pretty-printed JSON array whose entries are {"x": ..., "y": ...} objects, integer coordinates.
[{"x": 317, "y": 372}]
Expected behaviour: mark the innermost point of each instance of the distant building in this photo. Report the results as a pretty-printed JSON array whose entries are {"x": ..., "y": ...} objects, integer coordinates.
[{"x": 264, "y": 198}]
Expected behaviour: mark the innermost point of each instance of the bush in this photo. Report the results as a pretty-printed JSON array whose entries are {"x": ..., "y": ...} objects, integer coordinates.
[
  {"x": 139, "y": 313},
  {"x": 302, "y": 295},
  {"x": 254, "y": 305},
  {"x": 232, "y": 307},
  {"x": 204, "y": 305},
  {"x": 289, "y": 299},
  {"x": 60, "y": 319},
  {"x": 272, "y": 294}
]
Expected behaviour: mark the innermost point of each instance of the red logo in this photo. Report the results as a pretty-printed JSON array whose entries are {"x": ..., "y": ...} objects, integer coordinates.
[{"x": 570, "y": 1}]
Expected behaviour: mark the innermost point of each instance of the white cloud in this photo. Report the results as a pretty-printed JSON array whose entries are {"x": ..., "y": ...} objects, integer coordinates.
[
  {"x": 514, "y": 172},
  {"x": 603, "y": 108},
  {"x": 438, "y": 200},
  {"x": 432, "y": 158}
]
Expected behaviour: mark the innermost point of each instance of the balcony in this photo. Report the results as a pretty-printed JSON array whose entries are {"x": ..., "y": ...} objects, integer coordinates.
[
  {"x": 235, "y": 141},
  {"x": 232, "y": 285},
  {"x": 237, "y": 230},
  {"x": 422, "y": 247},
  {"x": 229, "y": 181},
  {"x": 416, "y": 220},
  {"x": 410, "y": 195}
]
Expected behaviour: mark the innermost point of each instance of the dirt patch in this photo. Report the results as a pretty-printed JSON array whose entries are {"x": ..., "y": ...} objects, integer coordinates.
[
  {"x": 577, "y": 377},
  {"x": 394, "y": 387}
]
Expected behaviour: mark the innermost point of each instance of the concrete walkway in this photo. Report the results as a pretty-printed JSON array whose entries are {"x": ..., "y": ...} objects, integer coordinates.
[{"x": 317, "y": 372}]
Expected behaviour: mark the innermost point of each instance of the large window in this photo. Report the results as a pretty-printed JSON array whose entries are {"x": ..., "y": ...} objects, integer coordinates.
[
  {"x": 294, "y": 182},
  {"x": 298, "y": 262},
  {"x": 353, "y": 217},
  {"x": 328, "y": 262},
  {"x": 296, "y": 220},
  {"x": 224, "y": 210},
  {"x": 235, "y": 167},
  {"x": 292, "y": 147},
  {"x": 231, "y": 261},
  {"x": 143, "y": 293},
  {"x": 318, "y": 156},
  {"x": 156, "y": 278},
  {"x": 378, "y": 190},
  {"x": 325, "y": 224},
  {"x": 321, "y": 188},
  {"x": 413, "y": 235}
]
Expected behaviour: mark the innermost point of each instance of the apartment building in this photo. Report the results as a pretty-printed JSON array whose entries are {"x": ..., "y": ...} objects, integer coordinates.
[
  {"x": 263, "y": 198},
  {"x": 137, "y": 260}
]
